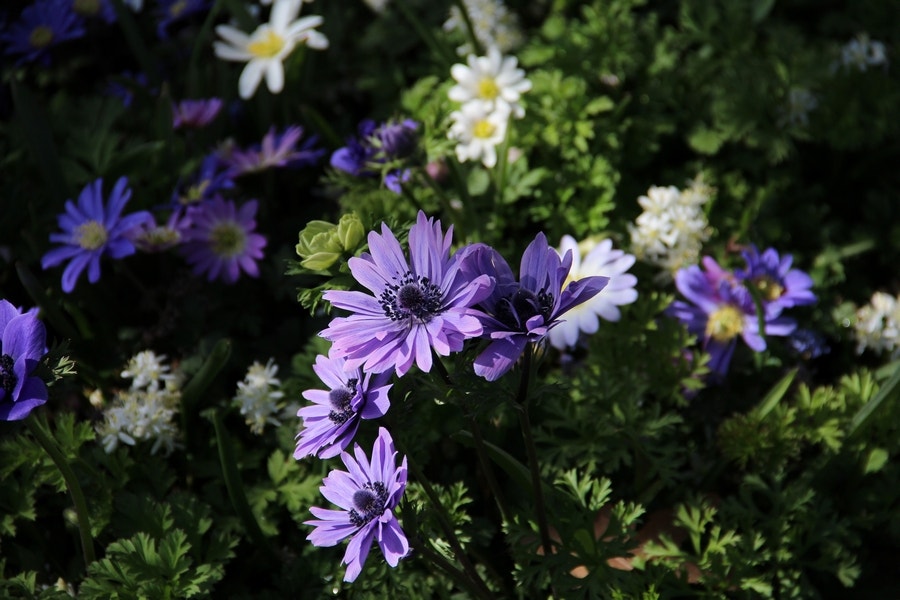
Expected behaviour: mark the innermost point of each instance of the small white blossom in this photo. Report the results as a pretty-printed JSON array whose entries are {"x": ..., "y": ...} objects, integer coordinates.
[
  {"x": 861, "y": 53},
  {"x": 877, "y": 325},
  {"x": 141, "y": 415},
  {"x": 491, "y": 80},
  {"x": 478, "y": 132},
  {"x": 147, "y": 370},
  {"x": 265, "y": 49},
  {"x": 259, "y": 396},
  {"x": 800, "y": 103}
]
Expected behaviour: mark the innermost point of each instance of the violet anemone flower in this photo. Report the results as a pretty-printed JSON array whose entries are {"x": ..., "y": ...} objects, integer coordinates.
[
  {"x": 721, "y": 310},
  {"x": 152, "y": 237},
  {"x": 376, "y": 148},
  {"x": 221, "y": 241},
  {"x": 22, "y": 345},
  {"x": 366, "y": 493},
  {"x": 519, "y": 313},
  {"x": 331, "y": 422},
  {"x": 90, "y": 230},
  {"x": 212, "y": 177},
  {"x": 41, "y": 26},
  {"x": 413, "y": 306},
  {"x": 778, "y": 284},
  {"x": 276, "y": 150},
  {"x": 195, "y": 113}
]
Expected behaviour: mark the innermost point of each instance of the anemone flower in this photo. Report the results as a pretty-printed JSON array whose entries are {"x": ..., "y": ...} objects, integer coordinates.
[{"x": 22, "y": 345}]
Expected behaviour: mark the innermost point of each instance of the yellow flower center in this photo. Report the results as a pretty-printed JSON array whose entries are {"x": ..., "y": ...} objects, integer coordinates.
[
  {"x": 488, "y": 89},
  {"x": 176, "y": 9},
  {"x": 268, "y": 46},
  {"x": 228, "y": 239},
  {"x": 483, "y": 129},
  {"x": 91, "y": 235},
  {"x": 195, "y": 193},
  {"x": 725, "y": 323},
  {"x": 768, "y": 289},
  {"x": 41, "y": 37},
  {"x": 86, "y": 7}
]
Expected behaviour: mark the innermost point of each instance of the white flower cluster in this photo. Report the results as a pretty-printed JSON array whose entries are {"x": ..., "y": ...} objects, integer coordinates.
[
  {"x": 877, "y": 325},
  {"x": 671, "y": 230},
  {"x": 489, "y": 88},
  {"x": 492, "y": 23},
  {"x": 145, "y": 411},
  {"x": 861, "y": 53},
  {"x": 800, "y": 103},
  {"x": 259, "y": 396}
]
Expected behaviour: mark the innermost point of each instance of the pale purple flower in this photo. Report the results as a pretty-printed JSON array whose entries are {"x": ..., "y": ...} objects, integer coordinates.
[
  {"x": 379, "y": 148},
  {"x": 22, "y": 346},
  {"x": 195, "y": 113},
  {"x": 211, "y": 178},
  {"x": 331, "y": 422},
  {"x": 778, "y": 284},
  {"x": 366, "y": 493},
  {"x": 414, "y": 307},
  {"x": 521, "y": 312},
  {"x": 91, "y": 230},
  {"x": 221, "y": 241},
  {"x": 149, "y": 236},
  {"x": 276, "y": 150}
]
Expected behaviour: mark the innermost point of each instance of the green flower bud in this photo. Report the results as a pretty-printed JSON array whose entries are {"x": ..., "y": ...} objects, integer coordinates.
[
  {"x": 350, "y": 231},
  {"x": 319, "y": 246}
]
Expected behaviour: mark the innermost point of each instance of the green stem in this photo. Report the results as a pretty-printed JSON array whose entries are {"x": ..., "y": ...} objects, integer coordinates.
[
  {"x": 502, "y": 160},
  {"x": 440, "y": 50},
  {"x": 445, "y": 203},
  {"x": 485, "y": 462},
  {"x": 455, "y": 574},
  {"x": 470, "y": 27},
  {"x": 36, "y": 426}
]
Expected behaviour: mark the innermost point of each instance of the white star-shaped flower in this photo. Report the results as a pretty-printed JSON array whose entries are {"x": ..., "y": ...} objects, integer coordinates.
[
  {"x": 491, "y": 80},
  {"x": 478, "y": 130}
]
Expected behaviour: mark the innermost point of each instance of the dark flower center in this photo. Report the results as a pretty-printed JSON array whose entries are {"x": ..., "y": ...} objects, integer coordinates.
[
  {"x": 412, "y": 297},
  {"x": 340, "y": 401},
  {"x": 368, "y": 503},
  {"x": 8, "y": 377},
  {"x": 515, "y": 310}
]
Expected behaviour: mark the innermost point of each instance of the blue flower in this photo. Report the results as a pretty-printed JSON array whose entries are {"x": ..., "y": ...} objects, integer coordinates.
[
  {"x": 90, "y": 230},
  {"x": 778, "y": 284},
  {"x": 276, "y": 150},
  {"x": 41, "y": 26},
  {"x": 22, "y": 345},
  {"x": 367, "y": 493},
  {"x": 379, "y": 150}
]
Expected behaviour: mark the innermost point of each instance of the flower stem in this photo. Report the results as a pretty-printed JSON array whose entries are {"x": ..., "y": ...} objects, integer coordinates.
[
  {"x": 36, "y": 426},
  {"x": 455, "y": 574},
  {"x": 488, "y": 470},
  {"x": 470, "y": 27}
]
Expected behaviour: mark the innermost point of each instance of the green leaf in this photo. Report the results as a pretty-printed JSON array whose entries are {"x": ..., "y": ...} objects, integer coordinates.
[
  {"x": 776, "y": 394},
  {"x": 887, "y": 390},
  {"x": 761, "y": 9},
  {"x": 876, "y": 460}
]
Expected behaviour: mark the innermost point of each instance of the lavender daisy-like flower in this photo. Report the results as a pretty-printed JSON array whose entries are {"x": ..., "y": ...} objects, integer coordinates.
[
  {"x": 22, "y": 345},
  {"x": 366, "y": 493},
  {"x": 600, "y": 259},
  {"x": 91, "y": 230},
  {"x": 171, "y": 12},
  {"x": 720, "y": 311},
  {"x": 378, "y": 148},
  {"x": 221, "y": 241},
  {"x": 518, "y": 313},
  {"x": 778, "y": 284},
  {"x": 149, "y": 236},
  {"x": 41, "y": 26},
  {"x": 195, "y": 113},
  {"x": 414, "y": 306},
  {"x": 276, "y": 150},
  {"x": 211, "y": 178},
  {"x": 331, "y": 422}
]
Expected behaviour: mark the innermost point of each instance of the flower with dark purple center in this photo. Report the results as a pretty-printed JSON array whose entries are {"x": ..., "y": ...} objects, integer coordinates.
[
  {"x": 276, "y": 150},
  {"x": 195, "y": 114},
  {"x": 91, "y": 230},
  {"x": 521, "y": 312},
  {"x": 366, "y": 493},
  {"x": 779, "y": 285},
  {"x": 22, "y": 346},
  {"x": 41, "y": 26},
  {"x": 414, "y": 307},
  {"x": 330, "y": 424}
]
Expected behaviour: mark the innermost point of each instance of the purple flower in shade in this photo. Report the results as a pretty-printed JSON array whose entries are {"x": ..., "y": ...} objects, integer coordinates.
[
  {"x": 149, "y": 236},
  {"x": 90, "y": 9},
  {"x": 808, "y": 344},
  {"x": 367, "y": 494},
  {"x": 173, "y": 11},
  {"x": 212, "y": 177},
  {"x": 518, "y": 313},
  {"x": 124, "y": 85},
  {"x": 90, "y": 230},
  {"x": 413, "y": 307},
  {"x": 276, "y": 150},
  {"x": 721, "y": 310},
  {"x": 195, "y": 113},
  {"x": 22, "y": 345},
  {"x": 376, "y": 148},
  {"x": 330, "y": 423},
  {"x": 221, "y": 241},
  {"x": 41, "y": 26},
  {"x": 779, "y": 285}
]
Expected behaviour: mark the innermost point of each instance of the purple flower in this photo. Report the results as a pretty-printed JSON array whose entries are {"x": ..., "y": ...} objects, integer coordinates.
[
  {"x": 221, "y": 241},
  {"x": 124, "y": 85},
  {"x": 377, "y": 147},
  {"x": 808, "y": 344},
  {"x": 721, "y": 310},
  {"x": 41, "y": 26},
  {"x": 195, "y": 113},
  {"x": 414, "y": 306},
  {"x": 330, "y": 423},
  {"x": 518, "y": 313},
  {"x": 173, "y": 11},
  {"x": 22, "y": 345},
  {"x": 276, "y": 150},
  {"x": 366, "y": 493},
  {"x": 90, "y": 230},
  {"x": 212, "y": 177},
  {"x": 779, "y": 286},
  {"x": 152, "y": 237}
]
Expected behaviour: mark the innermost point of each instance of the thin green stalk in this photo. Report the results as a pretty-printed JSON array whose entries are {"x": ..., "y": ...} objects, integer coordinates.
[
  {"x": 36, "y": 426},
  {"x": 409, "y": 196},
  {"x": 440, "y": 50},
  {"x": 502, "y": 160},
  {"x": 444, "y": 202},
  {"x": 485, "y": 462},
  {"x": 470, "y": 27},
  {"x": 135, "y": 42},
  {"x": 455, "y": 574}
]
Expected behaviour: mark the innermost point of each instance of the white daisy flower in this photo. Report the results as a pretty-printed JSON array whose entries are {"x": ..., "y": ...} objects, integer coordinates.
[
  {"x": 599, "y": 259},
  {"x": 492, "y": 80},
  {"x": 265, "y": 49},
  {"x": 478, "y": 131}
]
